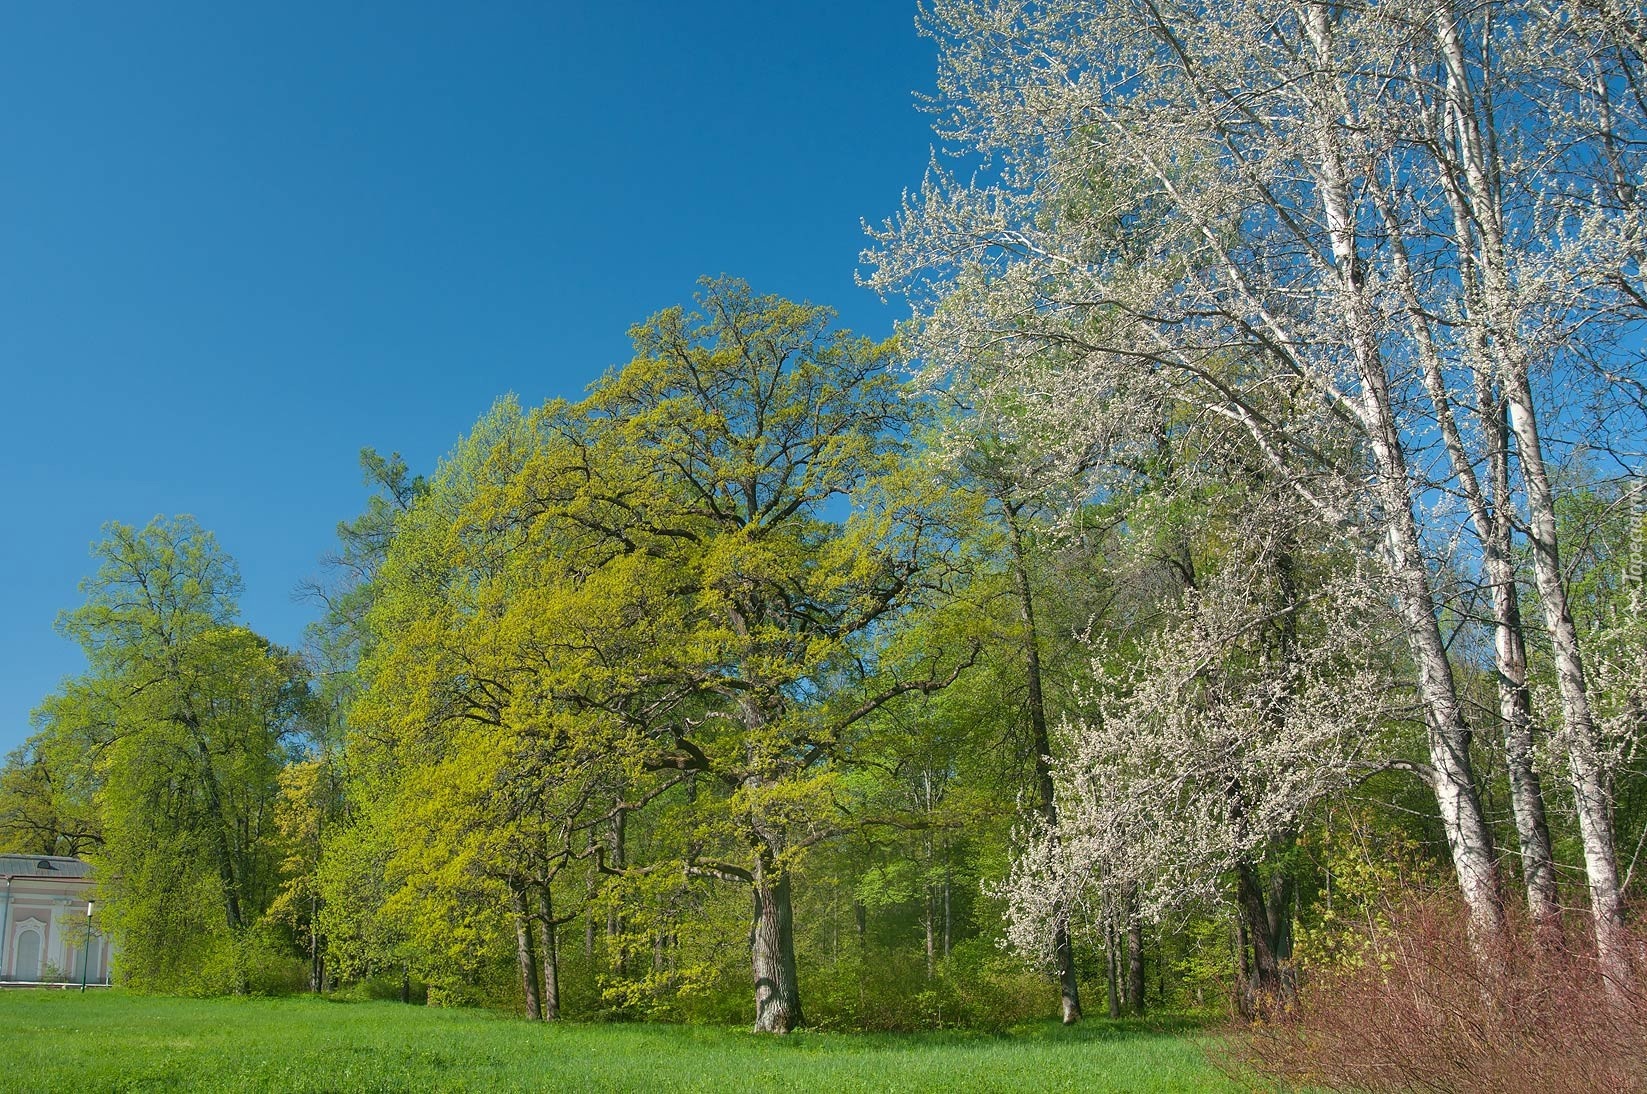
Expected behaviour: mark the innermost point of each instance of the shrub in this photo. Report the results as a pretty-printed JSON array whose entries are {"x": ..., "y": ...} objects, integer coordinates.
[
  {"x": 978, "y": 986},
  {"x": 1423, "y": 1010},
  {"x": 384, "y": 986}
]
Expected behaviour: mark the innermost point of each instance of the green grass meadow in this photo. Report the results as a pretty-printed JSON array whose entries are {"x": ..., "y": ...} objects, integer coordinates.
[{"x": 63, "y": 1040}]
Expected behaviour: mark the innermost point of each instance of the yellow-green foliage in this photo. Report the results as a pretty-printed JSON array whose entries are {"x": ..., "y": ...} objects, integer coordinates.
[
  {"x": 1370, "y": 869},
  {"x": 660, "y": 601}
]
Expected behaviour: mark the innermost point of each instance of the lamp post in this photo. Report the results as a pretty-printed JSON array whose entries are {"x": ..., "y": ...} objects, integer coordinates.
[{"x": 85, "y": 957}]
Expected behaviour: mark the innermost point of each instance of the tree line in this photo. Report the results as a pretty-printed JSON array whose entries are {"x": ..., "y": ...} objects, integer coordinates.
[{"x": 1253, "y": 537}]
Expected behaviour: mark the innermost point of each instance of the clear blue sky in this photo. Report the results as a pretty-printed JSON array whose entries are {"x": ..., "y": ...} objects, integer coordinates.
[{"x": 239, "y": 242}]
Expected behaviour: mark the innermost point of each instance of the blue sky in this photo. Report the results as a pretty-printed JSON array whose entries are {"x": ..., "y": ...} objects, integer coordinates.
[{"x": 239, "y": 243}]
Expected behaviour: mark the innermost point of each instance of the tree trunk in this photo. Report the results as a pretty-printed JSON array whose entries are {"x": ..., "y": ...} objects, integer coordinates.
[
  {"x": 946, "y": 916},
  {"x": 1453, "y": 780},
  {"x": 1283, "y": 890},
  {"x": 1476, "y": 148},
  {"x": 777, "y": 989},
  {"x": 1490, "y": 514},
  {"x": 617, "y": 951},
  {"x": 1591, "y": 793},
  {"x": 927, "y": 922},
  {"x": 1515, "y": 704},
  {"x": 1111, "y": 968},
  {"x": 317, "y": 960},
  {"x": 1135, "y": 965},
  {"x": 1063, "y": 953},
  {"x": 548, "y": 953},
  {"x": 589, "y": 927},
  {"x": 1267, "y": 929},
  {"x": 222, "y": 844},
  {"x": 524, "y": 956},
  {"x": 1069, "y": 992}
]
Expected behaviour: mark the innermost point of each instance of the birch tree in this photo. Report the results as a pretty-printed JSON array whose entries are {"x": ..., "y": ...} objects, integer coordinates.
[{"x": 1373, "y": 213}]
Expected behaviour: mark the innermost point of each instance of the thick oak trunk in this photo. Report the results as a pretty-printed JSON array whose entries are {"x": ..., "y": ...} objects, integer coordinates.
[
  {"x": 772, "y": 950},
  {"x": 222, "y": 845}
]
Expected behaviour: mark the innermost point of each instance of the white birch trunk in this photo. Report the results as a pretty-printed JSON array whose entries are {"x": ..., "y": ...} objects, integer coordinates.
[
  {"x": 1473, "y": 144},
  {"x": 1468, "y": 836}
]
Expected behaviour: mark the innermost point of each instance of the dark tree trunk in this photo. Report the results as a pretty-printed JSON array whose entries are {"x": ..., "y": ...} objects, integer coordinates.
[
  {"x": 524, "y": 956},
  {"x": 946, "y": 916},
  {"x": 1268, "y": 934},
  {"x": 618, "y": 850},
  {"x": 1160, "y": 968},
  {"x": 589, "y": 907},
  {"x": 222, "y": 844},
  {"x": 317, "y": 960},
  {"x": 1041, "y": 741},
  {"x": 1278, "y": 911},
  {"x": 1111, "y": 969},
  {"x": 617, "y": 949},
  {"x": 772, "y": 949},
  {"x": 1135, "y": 965}
]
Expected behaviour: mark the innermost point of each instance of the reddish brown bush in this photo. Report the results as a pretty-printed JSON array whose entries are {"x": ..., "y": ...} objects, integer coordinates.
[{"x": 1427, "y": 1012}]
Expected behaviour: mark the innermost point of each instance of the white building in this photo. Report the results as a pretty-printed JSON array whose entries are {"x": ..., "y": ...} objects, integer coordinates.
[{"x": 44, "y": 920}]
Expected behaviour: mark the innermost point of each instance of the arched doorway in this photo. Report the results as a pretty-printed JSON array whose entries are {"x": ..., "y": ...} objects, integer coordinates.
[{"x": 27, "y": 966}]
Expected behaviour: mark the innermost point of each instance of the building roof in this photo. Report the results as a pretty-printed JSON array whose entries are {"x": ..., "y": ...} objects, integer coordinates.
[{"x": 43, "y": 866}]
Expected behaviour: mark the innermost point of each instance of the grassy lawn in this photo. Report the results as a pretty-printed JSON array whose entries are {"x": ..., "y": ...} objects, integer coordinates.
[{"x": 62, "y": 1040}]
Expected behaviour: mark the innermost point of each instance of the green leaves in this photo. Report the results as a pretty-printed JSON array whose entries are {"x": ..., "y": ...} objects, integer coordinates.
[
  {"x": 176, "y": 734},
  {"x": 154, "y": 588}
]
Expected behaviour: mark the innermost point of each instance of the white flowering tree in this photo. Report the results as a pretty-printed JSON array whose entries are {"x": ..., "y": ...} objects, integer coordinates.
[{"x": 1213, "y": 724}]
